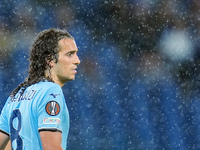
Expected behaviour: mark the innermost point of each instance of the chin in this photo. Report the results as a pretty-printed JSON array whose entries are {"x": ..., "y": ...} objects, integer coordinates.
[{"x": 70, "y": 79}]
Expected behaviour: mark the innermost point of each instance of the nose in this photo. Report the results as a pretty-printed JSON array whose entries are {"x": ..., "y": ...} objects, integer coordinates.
[{"x": 77, "y": 60}]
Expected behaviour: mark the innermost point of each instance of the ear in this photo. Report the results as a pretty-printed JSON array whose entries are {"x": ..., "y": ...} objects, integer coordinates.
[{"x": 50, "y": 63}]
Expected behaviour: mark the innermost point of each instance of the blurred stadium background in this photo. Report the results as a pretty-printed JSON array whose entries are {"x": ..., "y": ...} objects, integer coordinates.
[{"x": 138, "y": 84}]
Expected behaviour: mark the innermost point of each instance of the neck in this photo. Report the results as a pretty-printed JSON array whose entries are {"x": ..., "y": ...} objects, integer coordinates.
[{"x": 50, "y": 76}]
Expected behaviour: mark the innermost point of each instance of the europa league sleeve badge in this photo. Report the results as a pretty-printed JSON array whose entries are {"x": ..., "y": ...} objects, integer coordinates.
[{"x": 52, "y": 108}]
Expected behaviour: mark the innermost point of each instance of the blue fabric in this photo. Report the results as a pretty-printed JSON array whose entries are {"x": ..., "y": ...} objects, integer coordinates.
[{"x": 41, "y": 107}]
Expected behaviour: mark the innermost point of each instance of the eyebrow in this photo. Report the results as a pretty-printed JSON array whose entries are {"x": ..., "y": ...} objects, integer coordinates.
[{"x": 72, "y": 51}]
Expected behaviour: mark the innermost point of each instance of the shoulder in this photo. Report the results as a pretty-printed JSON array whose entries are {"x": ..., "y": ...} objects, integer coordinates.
[
  {"x": 48, "y": 85},
  {"x": 45, "y": 87}
]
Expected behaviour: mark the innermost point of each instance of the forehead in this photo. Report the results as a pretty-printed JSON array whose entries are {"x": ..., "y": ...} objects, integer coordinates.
[{"x": 67, "y": 44}]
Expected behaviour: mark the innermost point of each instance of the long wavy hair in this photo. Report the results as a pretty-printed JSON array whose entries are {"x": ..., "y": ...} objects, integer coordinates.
[{"x": 45, "y": 48}]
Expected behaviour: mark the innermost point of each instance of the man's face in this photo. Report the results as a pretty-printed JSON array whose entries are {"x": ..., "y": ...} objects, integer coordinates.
[{"x": 65, "y": 69}]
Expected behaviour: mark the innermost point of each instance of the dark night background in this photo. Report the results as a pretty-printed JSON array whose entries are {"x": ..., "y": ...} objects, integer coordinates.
[{"x": 137, "y": 86}]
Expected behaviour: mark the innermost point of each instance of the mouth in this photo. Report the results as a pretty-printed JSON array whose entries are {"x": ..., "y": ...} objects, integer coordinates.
[{"x": 74, "y": 70}]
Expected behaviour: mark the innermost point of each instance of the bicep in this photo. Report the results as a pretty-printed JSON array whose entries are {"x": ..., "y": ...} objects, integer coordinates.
[
  {"x": 3, "y": 140},
  {"x": 51, "y": 140},
  {"x": 8, "y": 146}
]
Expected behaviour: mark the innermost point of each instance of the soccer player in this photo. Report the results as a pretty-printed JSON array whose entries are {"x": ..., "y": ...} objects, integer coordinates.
[{"x": 35, "y": 115}]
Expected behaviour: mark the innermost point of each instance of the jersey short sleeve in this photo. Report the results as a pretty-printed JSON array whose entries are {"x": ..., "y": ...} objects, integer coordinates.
[{"x": 51, "y": 110}]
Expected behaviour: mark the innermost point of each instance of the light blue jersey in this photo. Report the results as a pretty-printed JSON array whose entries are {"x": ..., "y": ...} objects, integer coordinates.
[{"x": 42, "y": 107}]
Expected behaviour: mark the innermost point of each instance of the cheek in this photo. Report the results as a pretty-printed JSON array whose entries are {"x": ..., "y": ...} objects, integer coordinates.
[{"x": 64, "y": 65}]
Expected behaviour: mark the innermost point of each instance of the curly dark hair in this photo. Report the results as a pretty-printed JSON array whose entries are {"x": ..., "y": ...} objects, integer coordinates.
[{"x": 44, "y": 49}]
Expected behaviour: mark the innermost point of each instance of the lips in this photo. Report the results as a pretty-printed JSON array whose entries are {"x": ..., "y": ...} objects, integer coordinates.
[{"x": 74, "y": 70}]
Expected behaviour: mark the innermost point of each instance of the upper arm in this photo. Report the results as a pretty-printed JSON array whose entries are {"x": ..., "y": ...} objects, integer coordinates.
[
  {"x": 4, "y": 128},
  {"x": 52, "y": 119},
  {"x": 3, "y": 140},
  {"x": 51, "y": 140}
]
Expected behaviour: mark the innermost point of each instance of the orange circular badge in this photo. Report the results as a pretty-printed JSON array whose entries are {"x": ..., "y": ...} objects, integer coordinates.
[{"x": 52, "y": 108}]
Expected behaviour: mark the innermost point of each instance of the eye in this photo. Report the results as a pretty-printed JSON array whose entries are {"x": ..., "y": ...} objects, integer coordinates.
[{"x": 71, "y": 53}]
